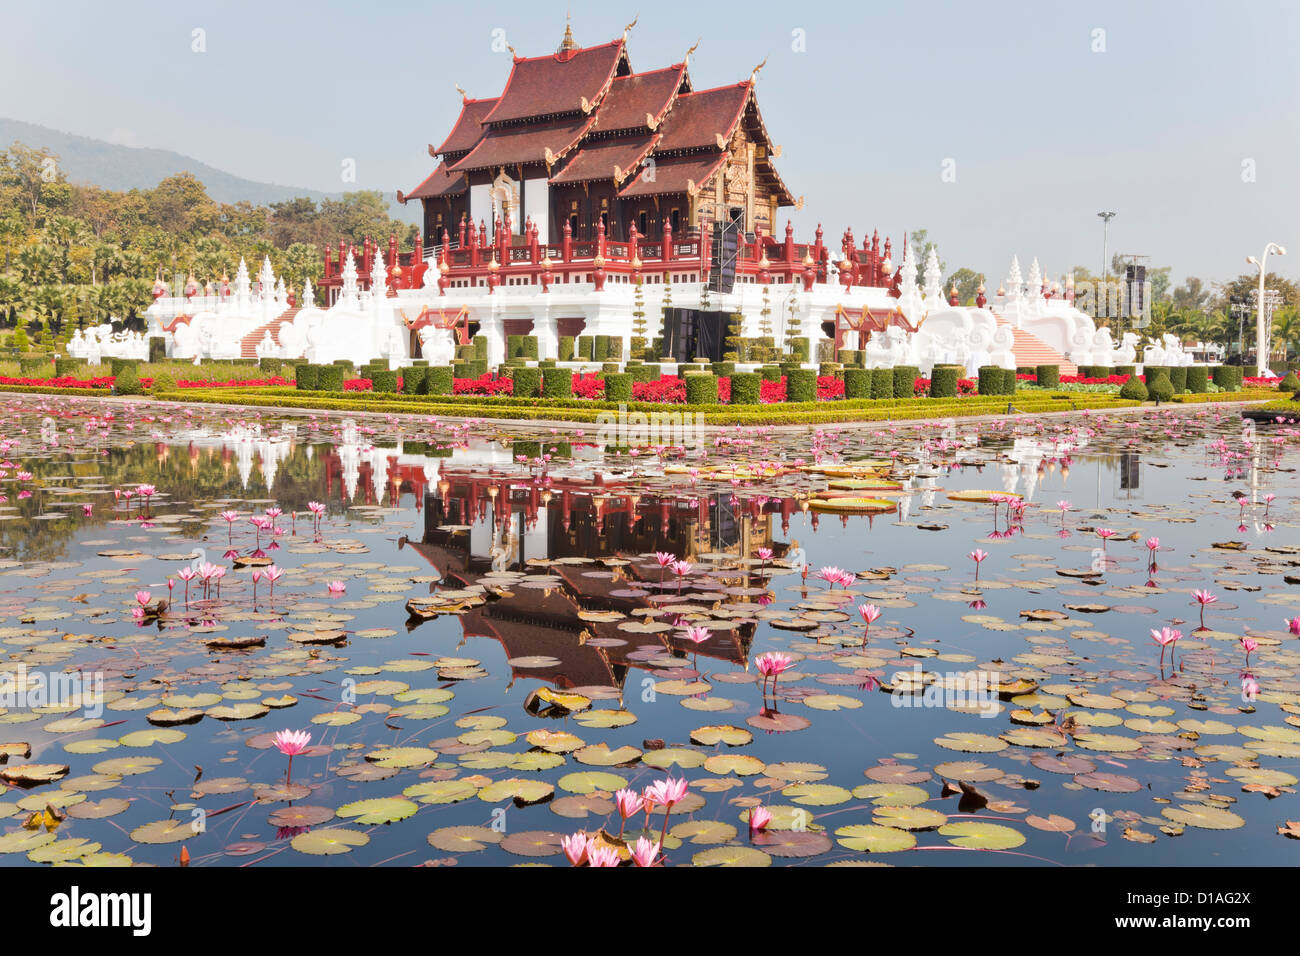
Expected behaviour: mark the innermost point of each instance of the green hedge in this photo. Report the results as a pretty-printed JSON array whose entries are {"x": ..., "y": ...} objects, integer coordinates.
[
  {"x": 801, "y": 385},
  {"x": 116, "y": 365},
  {"x": 1161, "y": 389},
  {"x": 1133, "y": 390},
  {"x": 127, "y": 382},
  {"x": 306, "y": 377},
  {"x": 745, "y": 388},
  {"x": 1126, "y": 370},
  {"x": 1178, "y": 378},
  {"x": 157, "y": 348},
  {"x": 701, "y": 388},
  {"x": 857, "y": 383},
  {"x": 723, "y": 369},
  {"x": 383, "y": 380},
  {"x": 601, "y": 349},
  {"x": 1198, "y": 377},
  {"x": 882, "y": 383},
  {"x": 905, "y": 377},
  {"x": 439, "y": 380},
  {"x": 568, "y": 347},
  {"x": 943, "y": 381},
  {"x": 800, "y": 349},
  {"x": 1049, "y": 376},
  {"x": 852, "y": 358},
  {"x": 413, "y": 379},
  {"x": 557, "y": 383},
  {"x": 618, "y": 387},
  {"x": 65, "y": 366},
  {"x": 990, "y": 380},
  {"x": 331, "y": 377},
  {"x": 643, "y": 373},
  {"x": 528, "y": 382},
  {"x": 463, "y": 370},
  {"x": 480, "y": 344},
  {"x": 1229, "y": 377}
]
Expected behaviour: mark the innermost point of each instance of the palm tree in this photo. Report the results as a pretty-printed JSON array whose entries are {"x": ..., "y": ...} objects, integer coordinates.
[{"x": 1286, "y": 328}]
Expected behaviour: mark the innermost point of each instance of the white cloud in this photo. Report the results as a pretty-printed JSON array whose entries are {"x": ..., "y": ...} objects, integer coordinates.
[{"x": 122, "y": 136}]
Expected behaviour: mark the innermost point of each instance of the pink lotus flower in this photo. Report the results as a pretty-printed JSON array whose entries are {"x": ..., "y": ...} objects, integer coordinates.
[
  {"x": 142, "y": 597},
  {"x": 1153, "y": 544},
  {"x": 86, "y": 510},
  {"x": 628, "y": 802},
  {"x": 1249, "y": 645},
  {"x": 697, "y": 635},
  {"x": 274, "y": 574},
  {"x": 869, "y": 614},
  {"x": 759, "y": 818},
  {"x": 831, "y": 575},
  {"x": 1249, "y": 687},
  {"x": 602, "y": 856},
  {"x": 666, "y": 793},
  {"x": 575, "y": 847},
  {"x": 1204, "y": 599},
  {"x": 645, "y": 853},
  {"x": 665, "y": 558},
  {"x": 1293, "y": 626},
  {"x": 291, "y": 743},
  {"x": 765, "y": 554},
  {"x": 336, "y": 587}
]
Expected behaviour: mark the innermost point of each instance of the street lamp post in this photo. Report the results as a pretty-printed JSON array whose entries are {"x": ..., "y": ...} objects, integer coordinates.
[
  {"x": 1105, "y": 218},
  {"x": 1261, "y": 331}
]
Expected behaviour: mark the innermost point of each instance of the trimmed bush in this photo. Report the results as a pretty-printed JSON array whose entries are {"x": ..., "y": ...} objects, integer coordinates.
[
  {"x": 1238, "y": 377},
  {"x": 331, "y": 378},
  {"x": 723, "y": 369},
  {"x": 701, "y": 388},
  {"x": 618, "y": 387},
  {"x": 857, "y": 383},
  {"x": 830, "y": 369},
  {"x": 641, "y": 373},
  {"x": 1160, "y": 389},
  {"x": 586, "y": 348},
  {"x": 528, "y": 382},
  {"x": 1009, "y": 381},
  {"x": 1178, "y": 379},
  {"x": 272, "y": 366},
  {"x": 307, "y": 376},
  {"x": 127, "y": 381},
  {"x": 466, "y": 353},
  {"x": 852, "y": 358},
  {"x": 800, "y": 349},
  {"x": 383, "y": 380},
  {"x": 1134, "y": 390},
  {"x": 162, "y": 382},
  {"x": 1153, "y": 372},
  {"x": 568, "y": 348},
  {"x": 990, "y": 380},
  {"x": 65, "y": 366},
  {"x": 557, "y": 383},
  {"x": 116, "y": 365},
  {"x": 745, "y": 388},
  {"x": 438, "y": 381},
  {"x": 480, "y": 344},
  {"x": 1049, "y": 376},
  {"x": 943, "y": 381},
  {"x": 1198, "y": 377},
  {"x": 655, "y": 371},
  {"x": 600, "y": 351},
  {"x": 1129, "y": 370},
  {"x": 609, "y": 367},
  {"x": 413, "y": 380},
  {"x": 1291, "y": 383},
  {"x": 905, "y": 377},
  {"x": 801, "y": 385},
  {"x": 770, "y": 373},
  {"x": 882, "y": 383},
  {"x": 463, "y": 370},
  {"x": 615, "y": 352},
  {"x": 157, "y": 348}
]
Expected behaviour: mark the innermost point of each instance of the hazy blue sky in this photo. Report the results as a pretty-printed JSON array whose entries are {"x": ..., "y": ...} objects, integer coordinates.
[{"x": 1044, "y": 132}]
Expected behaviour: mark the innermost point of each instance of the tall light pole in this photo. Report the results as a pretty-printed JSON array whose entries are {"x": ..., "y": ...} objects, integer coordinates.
[
  {"x": 1261, "y": 331},
  {"x": 1105, "y": 218}
]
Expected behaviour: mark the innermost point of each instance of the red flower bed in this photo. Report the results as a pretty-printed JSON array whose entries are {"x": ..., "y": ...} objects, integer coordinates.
[
  {"x": 61, "y": 381},
  {"x": 668, "y": 389},
  {"x": 965, "y": 386},
  {"x": 588, "y": 386},
  {"x": 484, "y": 385}
]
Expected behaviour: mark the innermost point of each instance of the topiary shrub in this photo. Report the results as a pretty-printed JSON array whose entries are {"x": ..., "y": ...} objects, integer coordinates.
[
  {"x": 943, "y": 381},
  {"x": 162, "y": 382},
  {"x": 990, "y": 380},
  {"x": 723, "y": 369},
  {"x": 745, "y": 388},
  {"x": 1222, "y": 376},
  {"x": 157, "y": 348},
  {"x": 383, "y": 380},
  {"x": 568, "y": 345},
  {"x": 1178, "y": 379},
  {"x": 600, "y": 350},
  {"x": 1198, "y": 377},
  {"x": 655, "y": 372},
  {"x": 801, "y": 385},
  {"x": 1049, "y": 376},
  {"x": 331, "y": 378},
  {"x": 701, "y": 388},
  {"x": 463, "y": 370},
  {"x": 1161, "y": 390},
  {"x": 1291, "y": 383},
  {"x": 882, "y": 383},
  {"x": 615, "y": 353},
  {"x": 1129, "y": 370},
  {"x": 1133, "y": 390},
  {"x": 1009, "y": 381},
  {"x": 557, "y": 383},
  {"x": 770, "y": 373},
  {"x": 528, "y": 382},
  {"x": 852, "y": 358},
  {"x": 413, "y": 379},
  {"x": 857, "y": 383},
  {"x": 1238, "y": 377},
  {"x": 480, "y": 344},
  {"x": 439, "y": 380},
  {"x": 127, "y": 382},
  {"x": 618, "y": 387},
  {"x": 307, "y": 377},
  {"x": 905, "y": 377},
  {"x": 800, "y": 349},
  {"x": 65, "y": 366},
  {"x": 116, "y": 365}
]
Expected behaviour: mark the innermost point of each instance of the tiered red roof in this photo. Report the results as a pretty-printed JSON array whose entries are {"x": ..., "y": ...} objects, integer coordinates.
[{"x": 558, "y": 84}]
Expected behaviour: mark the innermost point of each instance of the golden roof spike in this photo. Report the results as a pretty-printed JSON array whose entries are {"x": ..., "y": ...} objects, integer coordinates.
[
  {"x": 463, "y": 95},
  {"x": 628, "y": 29},
  {"x": 753, "y": 77},
  {"x": 693, "y": 48}
]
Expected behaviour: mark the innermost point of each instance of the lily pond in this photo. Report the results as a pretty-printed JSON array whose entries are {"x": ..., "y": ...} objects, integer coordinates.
[{"x": 965, "y": 644}]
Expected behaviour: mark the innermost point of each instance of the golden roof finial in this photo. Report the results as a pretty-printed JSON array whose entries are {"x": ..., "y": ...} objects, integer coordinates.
[
  {"x": 463, "y": 95},
  {"x": 753, "y": 77},
  {"x": 568, "y": 43},
  {"x": 628, "y": 29},
  {"x": 693, "y": 48}
]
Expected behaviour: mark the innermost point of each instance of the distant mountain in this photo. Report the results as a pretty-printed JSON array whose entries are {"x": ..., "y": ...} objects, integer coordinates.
[{"x": 121, "y": 168}]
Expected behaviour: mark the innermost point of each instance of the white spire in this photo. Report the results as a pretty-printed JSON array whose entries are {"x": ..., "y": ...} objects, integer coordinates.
[
  {"x": 308, "y": 296},
  {"x": 1014, "y": 280},
  {"x": 907, "y": 275},
  {"x": 243, "y": 286},
  {"x": 267, "y": 278},
  {"x": 1035, "y": 278},
  {"x": 933, "y": 278},
  {"x": 349, "y": 288},
  {"x": 378, "y": 277}
]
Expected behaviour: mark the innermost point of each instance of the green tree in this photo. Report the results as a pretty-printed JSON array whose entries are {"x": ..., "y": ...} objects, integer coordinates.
[{"x": 967, "y": 282}]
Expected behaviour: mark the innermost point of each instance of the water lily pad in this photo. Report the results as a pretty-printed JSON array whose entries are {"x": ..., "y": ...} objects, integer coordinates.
[
  {"x": 378, "y": 810},
  {"x": 872, "y": 838},
  {"x": 978, "y": 835},
  {"x": 329, "y": 841},
  {"x": 731, "y": 856}
]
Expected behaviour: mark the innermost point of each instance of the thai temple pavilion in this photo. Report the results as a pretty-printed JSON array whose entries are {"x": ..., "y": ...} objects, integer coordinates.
[{"x": 578, "y": 137}]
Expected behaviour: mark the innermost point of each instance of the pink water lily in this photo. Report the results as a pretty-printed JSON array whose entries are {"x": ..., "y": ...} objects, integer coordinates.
[
  {"x": 575, "y": 847},
  {"x": 1165, "y": 637},
  {"x": 644, "y": 853},
  {"x": 979, "y": 556},
  {"x": 667, "y": 794},
  {"x": 628, "y": 802},
  {"x": 336, "y": 587},
  {"x": 1293, "y": 626},
  {"x": 1249, "y": 645},
  {"x": 1153, "y": 544},
  {"x": 759, "y": 818},
  {"x": 764, "y": 554},
  {"x": 142, "y": 597},
  {"x": 291, "y": 743},
  {"x": 831, "y": 575},
  {"x": 1204, "y": 599},
  {"x": 602, "y": 856},
  {"x": 273, "y": 574}
]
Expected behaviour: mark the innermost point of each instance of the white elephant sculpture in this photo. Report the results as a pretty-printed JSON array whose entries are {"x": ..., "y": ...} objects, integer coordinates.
[{"x": 437, "y": 345}]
